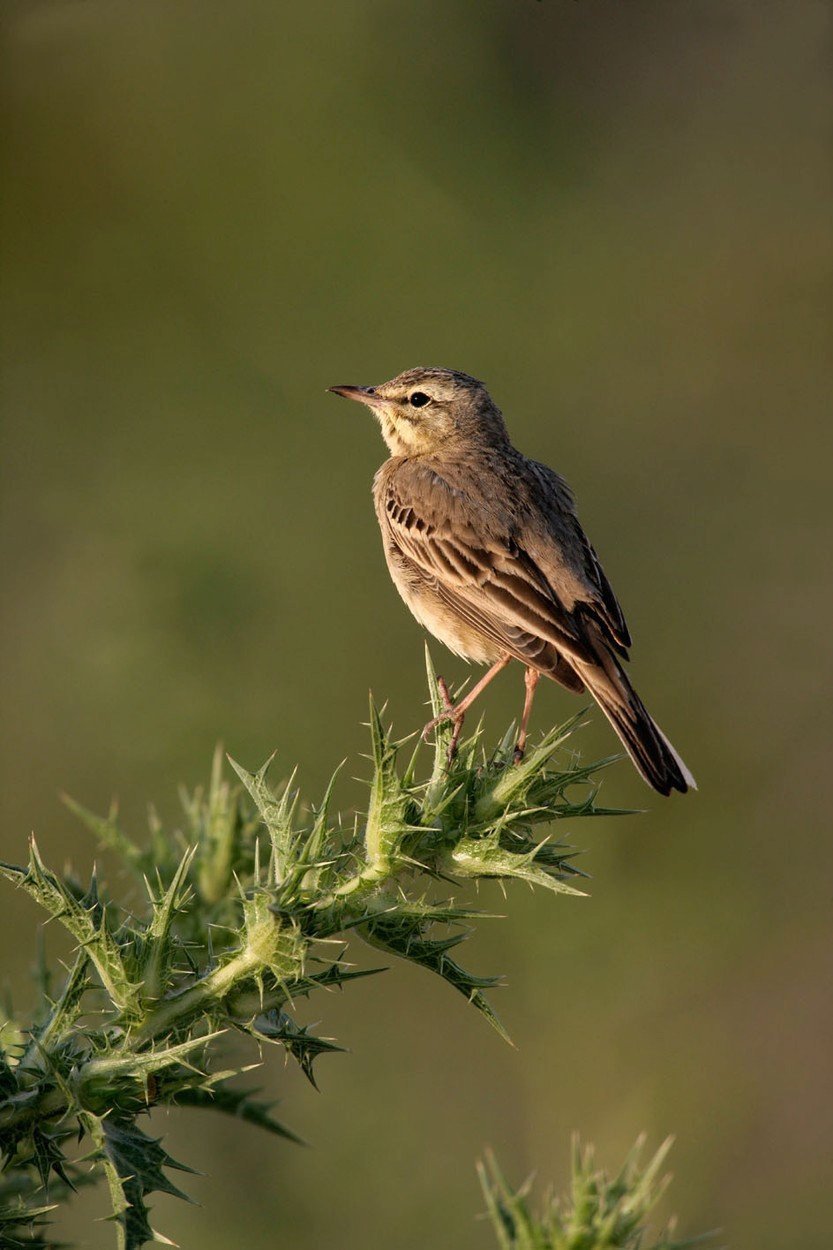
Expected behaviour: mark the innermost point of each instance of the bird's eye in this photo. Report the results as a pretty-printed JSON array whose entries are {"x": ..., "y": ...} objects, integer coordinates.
[{"x": 419, "y": 399}]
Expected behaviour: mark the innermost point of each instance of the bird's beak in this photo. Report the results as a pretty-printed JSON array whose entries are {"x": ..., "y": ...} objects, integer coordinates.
[{"x": 362, "y": 394}]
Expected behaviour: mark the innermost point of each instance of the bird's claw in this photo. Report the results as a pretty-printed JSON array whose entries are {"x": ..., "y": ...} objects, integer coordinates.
[
  {"x": 434, "y": 724},
  {"x": 447, "y": 717},
  {"x": 448, "y": 714}
]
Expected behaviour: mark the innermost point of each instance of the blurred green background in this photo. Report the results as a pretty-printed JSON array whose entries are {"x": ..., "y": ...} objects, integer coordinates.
[{"x": 618, "y": 217}]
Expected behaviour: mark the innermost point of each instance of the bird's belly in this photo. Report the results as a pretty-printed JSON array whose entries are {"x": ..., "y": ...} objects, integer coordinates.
[{"x": 435, "y": 616}]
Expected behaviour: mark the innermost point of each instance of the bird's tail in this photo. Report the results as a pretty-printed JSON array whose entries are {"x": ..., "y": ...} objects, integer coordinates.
[{"x": 646, "y": 744}]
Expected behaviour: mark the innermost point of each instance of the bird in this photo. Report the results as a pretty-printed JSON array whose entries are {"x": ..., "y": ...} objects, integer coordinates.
[{"x": 485, "y": 547}]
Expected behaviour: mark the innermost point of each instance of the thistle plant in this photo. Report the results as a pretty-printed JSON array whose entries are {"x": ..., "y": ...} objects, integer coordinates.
[
  {"x": 245, "y": 911},
  {"x": 599, "y": 1213}
]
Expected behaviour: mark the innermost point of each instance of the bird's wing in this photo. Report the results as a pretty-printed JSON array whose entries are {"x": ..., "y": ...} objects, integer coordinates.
[
  {"x": 478, "y": 566},
  {"x": 607, "y": 606},
  {"x": 580, "y": 577}
]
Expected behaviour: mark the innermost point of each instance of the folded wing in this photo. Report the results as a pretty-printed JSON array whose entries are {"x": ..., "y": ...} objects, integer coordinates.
[{"x": 478, "y": 564}]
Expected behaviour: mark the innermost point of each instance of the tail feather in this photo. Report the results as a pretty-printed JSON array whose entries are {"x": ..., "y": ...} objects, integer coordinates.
[{"x": 646, "y": 744}]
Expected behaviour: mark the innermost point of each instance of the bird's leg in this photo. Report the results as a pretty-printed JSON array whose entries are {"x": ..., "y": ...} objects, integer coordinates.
[
  {"x": 457, "y": 713},
  {"x": 531, "y": 679},
  {"x": 446, "y": 694},
  {"x": 450, "y": 710},
  {"x": 451, "y": 753}
]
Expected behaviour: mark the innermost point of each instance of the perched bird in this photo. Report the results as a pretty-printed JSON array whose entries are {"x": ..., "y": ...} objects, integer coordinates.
[{"x": 485, "y": 547}]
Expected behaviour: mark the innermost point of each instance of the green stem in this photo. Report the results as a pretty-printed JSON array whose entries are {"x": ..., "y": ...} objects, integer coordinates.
[
  {"x": 174, "y": 1012},
  {"x": 47, "y": 1105}
]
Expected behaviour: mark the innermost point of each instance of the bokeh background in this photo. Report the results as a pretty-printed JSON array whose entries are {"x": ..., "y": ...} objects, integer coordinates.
[{"x": 619, "y": 217}]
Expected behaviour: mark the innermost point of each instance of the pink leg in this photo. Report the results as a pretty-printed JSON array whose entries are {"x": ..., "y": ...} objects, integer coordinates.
[
  {"x": 457, "y": 714},
  {"x": 531, "y": 679}
]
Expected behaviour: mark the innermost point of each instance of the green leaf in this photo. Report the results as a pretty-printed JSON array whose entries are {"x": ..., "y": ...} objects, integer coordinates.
[
  {"x": 443, "y": 734},
  {"x": 599, "y": 1214},
  {"x": 21, "y": 1224},
  {"x": 405, "y": 937},
  {"x": 133, "y": 1164},
  {"x": 109, "y": 834},
  {"x": 509, "y": 786},
  {"x": 216, "y": 827},
  {"x": 240, "y": 1103},
  {"x": 85, "y": 919},
  {"x": 314, "y": 863},
  {"x": 305, "y": 1047},
  {"x": 490, "y": 857},
  {"x": 155, "y": 963},
  {"x": 388, "y": 822},
  {"x": 66, "y": 1010},
  {"x": 276, "y": 814}
]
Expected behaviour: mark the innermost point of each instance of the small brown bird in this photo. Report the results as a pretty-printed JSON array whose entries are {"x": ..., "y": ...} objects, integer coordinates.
[{"x": 486, "y": 549}]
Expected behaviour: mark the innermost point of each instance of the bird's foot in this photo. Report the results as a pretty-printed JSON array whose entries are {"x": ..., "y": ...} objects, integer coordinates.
[
  {"x": 450, "y": 713},
  {"x": 434, "y": 724},
  {"x": 518, "y": 754},
  {"x": 445, "y": 718}
]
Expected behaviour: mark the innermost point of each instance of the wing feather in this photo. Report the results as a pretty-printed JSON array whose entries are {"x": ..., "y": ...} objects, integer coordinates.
[
  {"x": 485, "y": 575},
  {"x": 553, "y": 500}
]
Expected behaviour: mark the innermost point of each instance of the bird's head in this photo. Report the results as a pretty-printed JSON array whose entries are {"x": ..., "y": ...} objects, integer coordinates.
[{"x": 428, "y": 410}]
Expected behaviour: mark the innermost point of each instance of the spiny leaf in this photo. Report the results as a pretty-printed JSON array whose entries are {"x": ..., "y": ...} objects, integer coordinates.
[
  {"x": 66, "y": 1010},
  {"x": 133, "y": 1164},
  {"x": 405, "y": 937},
  {"x": 109, "y": 833},
  {"x": 48, "y": 1155},
  {"x": 239, "y": 1103},
  {"x": 488, "y": 857},
  {"x": 313, "y": 861},
  {"x": 305, "y": 1047},
  {"x": 442, "y": 734},
  {"x": 332, "y": 977},
  {"x": 388, "y": 822},
  {"x": 21, "y": 1224},
  {"x": 156, "y": 961},
  {"x": 276, "y": 814},
  {"x": 510, "y": 784},
  {"x": 85, "y": 920},
  {"x": 220, "y": 830},
  {"x": 599, "y": 1214},
  {"x": 424, "y": 912}
]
